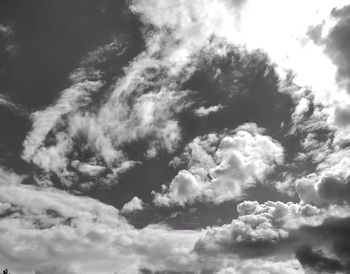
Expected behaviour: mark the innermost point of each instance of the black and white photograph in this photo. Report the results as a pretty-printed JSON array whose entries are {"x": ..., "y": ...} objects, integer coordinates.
[{"x": 174, "y": 136}]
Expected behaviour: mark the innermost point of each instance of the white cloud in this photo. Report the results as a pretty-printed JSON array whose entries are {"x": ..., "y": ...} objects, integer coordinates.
[
  {"x": 45, "y": 229},
  {"x": 7, "y": 177},
  {"x": 202, "y": 111},
  {"x": 180, "y": 30},
  {"x": 221, "y": 167},
  {"x": 48, "y": 225},
  {"x": 16, "y": 108},
  {"x": 134, "y": 204},
  {"x": 45, "y": 120},
  {"x": 274, "y": 31},
  {"x": 44, "y": 226},
  {"x": 260, "y": 225},
  {"x": 90, "y": 169},
  {"x": 128, "y": 114}
]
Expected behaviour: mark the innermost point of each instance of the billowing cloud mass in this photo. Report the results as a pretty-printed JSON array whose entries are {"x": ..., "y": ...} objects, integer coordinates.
[
  {"x": 262, "y": 228},
  {"x": 49, "y": 229},
  {"x": 221, "y": 167},
  {"x": 157, "y": 136}
]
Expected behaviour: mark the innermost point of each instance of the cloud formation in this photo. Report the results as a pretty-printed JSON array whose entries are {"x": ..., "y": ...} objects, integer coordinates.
[
  {"x": 49, "y": 229},
  {"x": 222, "y": 166},
  {"x": 135, "y": 204},
  {"x": 221, "y": 105}
]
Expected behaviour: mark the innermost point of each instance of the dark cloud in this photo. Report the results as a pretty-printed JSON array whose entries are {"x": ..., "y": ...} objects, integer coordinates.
[
  {"x": 342, "y": 116},
  {"x": 315, "y": 33},
  {"x": 317, "y": 261},
  {"x": 324, "y": 248},
  {"x": 332, "y": 237},
  {"x": 337, "y": 45},
  {"x": 334, "y": 190}
]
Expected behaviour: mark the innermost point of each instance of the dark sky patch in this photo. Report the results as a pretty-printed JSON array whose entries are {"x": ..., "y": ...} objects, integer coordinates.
[
  {"x": 246, "y": 84},
  {"x": 53, "y": 37}
]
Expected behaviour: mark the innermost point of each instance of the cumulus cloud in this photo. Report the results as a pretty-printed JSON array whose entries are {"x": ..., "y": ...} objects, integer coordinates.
[
  {"x": 46, "y": 229},
  {"x": 50, "y": 230},
  {"x": 134, "y": 204},
  {"x": 323, "y": 190},
  {"x": 271, "y": 229},
  {"x": 221, "y": 167},
  {"x": 257, "y": 229}
]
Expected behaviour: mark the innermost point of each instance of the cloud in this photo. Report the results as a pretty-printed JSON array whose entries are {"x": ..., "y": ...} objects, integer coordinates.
[
  {"x": 264, "y": 267},
  {"x": 44, "y": 228},
  {"x": 135, "y": 204},
  {"x": 222, "y": 167},
  {"x": 7, "y": 41},
  {"x": 129, "y": 113},
  {"x": 6, "y": 30},
  {"x": 258, "y": 229},
  {"x": 156, "y": 75},
  {"x": 98, "y": 129},
  {"x": 270, "y": 229},
  {"x": 14, "y": 107},
  {"x": 70, "y": 100},
  {"x": 323, "y": 190},
  {"x": 318, "y": 262},
  {"x": 342, "y": 116},
  {"x": 335, "y": 44},
  {"x": 54, "y": 270},
  {"x": 202, "y": 111},
  {"x": 325, "y": 248},
  {"x": 8, "y": 177}
]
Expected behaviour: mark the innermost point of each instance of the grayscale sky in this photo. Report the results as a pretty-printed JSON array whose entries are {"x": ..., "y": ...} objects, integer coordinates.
[{"x": 174, "y": 136}]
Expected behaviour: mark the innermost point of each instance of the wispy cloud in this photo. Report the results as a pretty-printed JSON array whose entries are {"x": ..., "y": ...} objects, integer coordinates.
[{"x": 15, "y": 108}]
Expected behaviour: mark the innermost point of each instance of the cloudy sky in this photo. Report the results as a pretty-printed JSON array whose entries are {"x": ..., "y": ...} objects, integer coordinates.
[{"x": 174, "y": 136}]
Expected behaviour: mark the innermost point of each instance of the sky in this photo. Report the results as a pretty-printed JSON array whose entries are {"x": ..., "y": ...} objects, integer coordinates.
[{"x": 174, "y": 136}]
